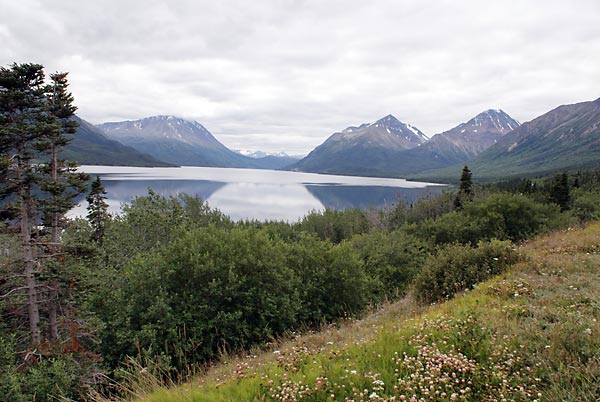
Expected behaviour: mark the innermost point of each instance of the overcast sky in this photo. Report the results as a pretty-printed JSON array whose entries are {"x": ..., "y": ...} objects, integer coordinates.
[{"x": 282, "y": 75}]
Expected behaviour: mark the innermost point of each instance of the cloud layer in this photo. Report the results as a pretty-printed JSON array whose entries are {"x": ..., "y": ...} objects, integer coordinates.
[{"x": 285, "y": 74}]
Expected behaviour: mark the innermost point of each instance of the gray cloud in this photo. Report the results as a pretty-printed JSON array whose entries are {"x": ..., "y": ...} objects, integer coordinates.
[{"x": 285, "y": 74}]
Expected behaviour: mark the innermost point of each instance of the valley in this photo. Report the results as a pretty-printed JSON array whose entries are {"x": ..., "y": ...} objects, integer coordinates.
[{"x": 492, "y": 143}]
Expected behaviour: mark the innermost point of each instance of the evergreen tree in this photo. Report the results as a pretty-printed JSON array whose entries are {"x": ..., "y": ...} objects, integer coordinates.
[
  {"x": 36, "y": 185},
  {"x": 465, "y": 188},
  {"x": 60, "y": 183},
  {"x": 560, "y": 193},
  {"x": 97, "y": 209},
  {"x": 23, "y": 124}
]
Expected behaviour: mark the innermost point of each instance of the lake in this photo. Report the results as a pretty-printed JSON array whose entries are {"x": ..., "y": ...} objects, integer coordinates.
[{"x": 256, "y": 194}]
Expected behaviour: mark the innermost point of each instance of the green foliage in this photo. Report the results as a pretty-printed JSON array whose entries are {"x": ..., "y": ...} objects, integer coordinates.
[
  {"x": 430, "y": 207},
  {"x": 561, "y": 193},
  {"x": 97, "y": 209},
  {"x": 517, "y": 216},
  {"x": 209, "y": 289},
  {"x": 335, "y": 226},
  {"x": 149, "y": 221},
  {"x": 42, "y": 377},
  {"x": 457, "y": 267},
  {"x": 333, "y": 282},
  {"x": 391, "y": 260},
  {"x": 586, "y": 206},
  {"x": 498, "y": 215},
  {"x": 465, "y": 189}
]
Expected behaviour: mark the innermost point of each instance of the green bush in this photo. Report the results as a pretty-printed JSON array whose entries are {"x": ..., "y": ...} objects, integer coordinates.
[
  {"x": 208, "y": 290},
  {"x": 332, "y": 278},
  {"x": 335, "y": 226},
  {"x": 512, "y": 216},
  {"x": 457, "y": 267},
  {"x": 150, "y": 221},
  {"x": 391, "y": 260},
  {"x": 49, "y": 376},
  {"x": 430, "y": 207},
  {"x": 497, "y": 216},
  {"x": 586, "y": 207},
  {"x": 459, "y": 226}
]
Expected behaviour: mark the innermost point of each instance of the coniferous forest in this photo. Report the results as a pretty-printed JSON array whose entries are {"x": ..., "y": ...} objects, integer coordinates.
[{"x": 172, "y": 283}]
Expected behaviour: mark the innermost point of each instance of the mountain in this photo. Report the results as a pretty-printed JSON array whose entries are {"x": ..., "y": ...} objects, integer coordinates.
[
  {"x": 177, "y": 141},
  {"x": 90, "y": 146},
  {"x": 473, "y": 137},
  {"x": 567, "y": 137},
  {"x": 268, "y": 160},
  {"x": 456, "y": 145},
  {"x": 367, "y": 150},
  {"x": 276, "y": 162}
]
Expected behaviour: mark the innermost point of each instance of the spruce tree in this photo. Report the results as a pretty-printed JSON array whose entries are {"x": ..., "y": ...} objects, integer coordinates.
[
  {"x": 36, "y": 185},
  {"x": 465, "y": 188},
  {"x": 60, "y": 183},
  {"x": 23, "y": 124},
  {"x": 560, "y": 193},
  {"x": 97, "y": 209}
]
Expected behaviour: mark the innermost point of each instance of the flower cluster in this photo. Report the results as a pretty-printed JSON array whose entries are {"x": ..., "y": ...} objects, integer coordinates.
[
  {"x": 434, "y": 375},
  {"x": 438, "y": 363},
  {"x": 510, "y": 289}
]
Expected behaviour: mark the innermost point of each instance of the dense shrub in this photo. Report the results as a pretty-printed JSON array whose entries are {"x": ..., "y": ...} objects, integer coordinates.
[
  {"x": 150, "y": 221},
  {"x": 516, "y": 216},
  {"x": 496, "y": 216},
  {"x": 457, "y": 267},
  {"x": 458, "y": 226},
  {"x": 335, "y": 226},
  {"x": 50, "y": 375},
  {"x": 391, "y": 260},
  {"x": 209, "y": 289},
  {"x": 586, "y": 207},
  {"x": 430, "y": 207},
  {"x": 332, "y": 279}
]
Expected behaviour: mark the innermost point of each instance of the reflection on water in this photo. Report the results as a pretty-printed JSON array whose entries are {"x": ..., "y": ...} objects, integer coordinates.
[
  {"x": 123, "y": 191},
  {"x": 256, "y": 194},
  {"x": 265, "y": 201},
  {"x": 365, "y": 197}
]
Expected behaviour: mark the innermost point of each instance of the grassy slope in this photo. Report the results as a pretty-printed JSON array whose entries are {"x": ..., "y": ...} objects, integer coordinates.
[{"x": 530, "y": 334}]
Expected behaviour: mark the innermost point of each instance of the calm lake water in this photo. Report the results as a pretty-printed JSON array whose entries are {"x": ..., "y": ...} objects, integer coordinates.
[{"x": 256, "y": 194}]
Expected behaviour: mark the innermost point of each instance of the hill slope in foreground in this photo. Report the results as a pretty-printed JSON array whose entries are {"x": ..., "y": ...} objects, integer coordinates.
[{"x": 529, "y": 334}]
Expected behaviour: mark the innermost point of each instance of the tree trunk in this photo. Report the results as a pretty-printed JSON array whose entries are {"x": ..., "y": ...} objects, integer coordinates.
[
  {"x": 54, "y": 238},
  {"x": 28, "y": 260}
]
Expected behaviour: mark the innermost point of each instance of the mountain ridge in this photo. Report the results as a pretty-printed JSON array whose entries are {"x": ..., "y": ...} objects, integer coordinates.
[
  {"x": 360, "y": 150},
  {"x": 458, "y": 144},
  {"x": 184, "y": 143},
  {"x": 567, "y": 137},
  {"x": 90, "y": 146},
  {"x": 374, "y": 149}
]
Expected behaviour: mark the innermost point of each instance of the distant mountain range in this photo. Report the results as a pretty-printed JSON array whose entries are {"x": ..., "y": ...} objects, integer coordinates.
[
  {"x": 565, "y": 138},
  {"x": 175, "y": 141},
  {"x": 390, "y": 147},
  {"x": 493, "y": 144},
  {"x": 271, "y": 160}
]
